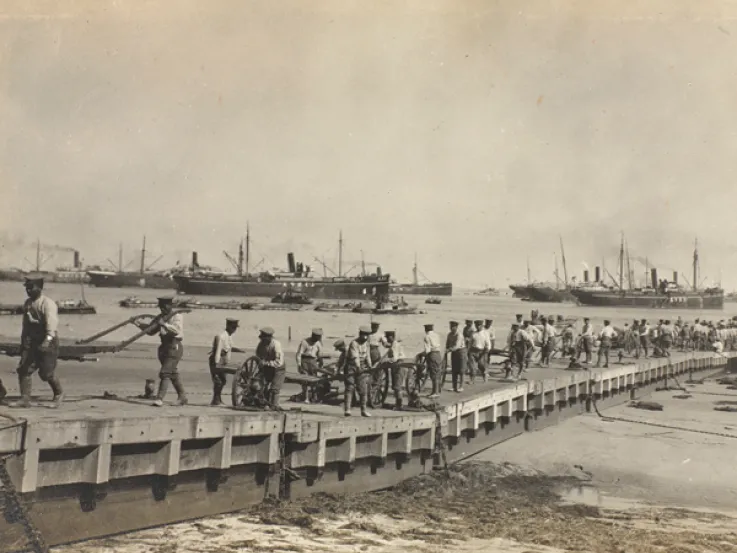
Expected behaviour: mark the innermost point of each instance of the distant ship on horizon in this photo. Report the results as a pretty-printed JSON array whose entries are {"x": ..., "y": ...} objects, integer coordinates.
[{"x": 417, "y": 288}]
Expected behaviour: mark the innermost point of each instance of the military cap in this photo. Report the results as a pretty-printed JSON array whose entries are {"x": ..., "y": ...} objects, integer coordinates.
[
  {"x": 519, "y": 315},
  {"x": 489, "y": 321},
  {"x": 515, "y": 325},
  {"x": 233, "y": 322},
  {"x": 166, "y": 300},
  {"x": 478, "y": 322},
  {"x": 375, "y": 324},
  {"x": 317, "y": 331},
  {"x": 339, "y": 344},
  {"x": 586, "y": 319},
  {"x": 33, "y": 279},
  {"x": 429, "y": 326},
  {"x": 468, "y": 321},
  {"x": 266, "y": 331},
  {"x": 606, "y": 322},
  {"x": 364, "y": 330},
  {"x": 392, "y": 333},
  {"x": 453, "y": 323}
]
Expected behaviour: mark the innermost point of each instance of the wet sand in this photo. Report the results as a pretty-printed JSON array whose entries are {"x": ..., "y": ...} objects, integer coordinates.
[{"x": 588, "y": 485}]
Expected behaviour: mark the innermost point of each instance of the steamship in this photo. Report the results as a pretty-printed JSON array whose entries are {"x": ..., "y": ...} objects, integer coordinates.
[
  {"x": 421, "y": 288},
  {"x": 298, "y": 278},
  {"x": 143, "y": 278},
  {"x": 661, "y": 294},
  {"x": 71, "y": 274}
]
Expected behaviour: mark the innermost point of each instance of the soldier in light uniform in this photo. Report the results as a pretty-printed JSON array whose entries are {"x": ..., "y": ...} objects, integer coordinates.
[
  {"x": 395, "y": 352},
  {"x": 308, "y": 358},
  {"x": 568, "y": 340},
  {"x": 606, "y": 336},
  {"x": 374, "y": 343},
  {"x": 170, "y": 352},
  {"x": 520, "y": 342},
  {"x": 480, "y": 346},
  {"x": 455, "y": 345},
  {"x": 548, "y": 342},
  {"x": 356, "y": 369},
  {"x": 219, "y": 357},
  {"x": 39, "y": 343},
  {"x": 587, "y": 340},
  {"x": 644, "y": 336},
  {"x": 468, "y": 331},
  {"x": 433, "y": 359},
  {"x": 271, "y": 356},
  {"x": 535, "y": 337}
]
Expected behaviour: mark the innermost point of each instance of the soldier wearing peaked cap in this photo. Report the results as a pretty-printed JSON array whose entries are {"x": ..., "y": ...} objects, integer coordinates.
[
  {"x": 374, "y": 343},
  {"x": 308, "y": 357},
  {"x": 455, "y": 345},
  {"x": 170, "y": 328},
  {"x": 39, "y": 342},
  {"x": 356, "y": 369},
  {"x": 271, "y": 356},
  {"x": 219, "y": 357},
  {"x": 433, "y": 359}
]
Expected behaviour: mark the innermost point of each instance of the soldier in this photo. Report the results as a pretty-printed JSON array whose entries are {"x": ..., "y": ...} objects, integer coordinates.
[
  {"x": 491, "y": 331},
  {"x": 548, "y": 342},
  {"x": 468, "y": 331},
  {"x": 568, "y": 343},
  {"x": 606, "y": 336},
  {"x": 433, "y": 359},
  {"x": 3, "y": 393},
  {"x": 39, "y": 343},
  {"x": 455, "y": 344},
  {"x": 357, "y": 365},
  {"x": 666, "y": 338},
  {"x": 480, "y": 345},
  {"x": 520, "y": 343},
  {"x": 271, "y": 357},
  {"x": 395, "y": 352},
  {"x": 308, "y": 358},
  {"x": 219, "y": 356},
  {"x": 587, "y": 340},
  {"x": 374, "y": 343},
  {"x": 170, "y": 351},
  {"x": 535, "y": 338},
  {"x": 644, "y": 336}
]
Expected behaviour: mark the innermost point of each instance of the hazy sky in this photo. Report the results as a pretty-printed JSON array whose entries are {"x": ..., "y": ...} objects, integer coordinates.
[{"x": 472, "y": 132}]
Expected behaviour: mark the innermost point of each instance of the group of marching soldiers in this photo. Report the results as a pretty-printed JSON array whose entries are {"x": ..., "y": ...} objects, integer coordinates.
[{"x": 467, "y": 350}]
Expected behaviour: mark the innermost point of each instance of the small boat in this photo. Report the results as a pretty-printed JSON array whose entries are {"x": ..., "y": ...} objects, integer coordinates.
[
  {"x": 65, "y": 307},
  {"x": 337, "y": 307},
  {"x": 488, "y": 292},
  {"x": 134, "y": 302},
  {"x": 395, "y": 310},
  {"x": 274, "y": 307},
  {"x": 434, "y": 301},
  {"x": 291, "y": 298}
]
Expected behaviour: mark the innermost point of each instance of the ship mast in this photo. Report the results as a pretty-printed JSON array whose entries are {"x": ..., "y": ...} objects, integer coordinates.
[
  {"x": 38, "y": 254},
  {"x": 120, "y": 258},
  {"x": 563, "y": 255},
  {"x": 415, "y": 281},
  {"x": 340, "y": 254},
  {"x": 557, "y": 278},
  {"x": 528, "y": 270},
  {"x": 143, "y": 255},
  {"x": 621, "y": 263},
  {"x": 248, "y": 245},
  {"x": 239, "y": 268},
  {"x": 695, "y": 264},
  {"x": 629, "y": 268}
]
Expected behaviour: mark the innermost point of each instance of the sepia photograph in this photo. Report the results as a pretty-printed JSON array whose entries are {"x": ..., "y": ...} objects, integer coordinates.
[{"x": 368, "y": 277}]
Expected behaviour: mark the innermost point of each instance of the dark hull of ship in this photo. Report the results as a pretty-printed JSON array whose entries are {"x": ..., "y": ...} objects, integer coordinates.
[
  {"x": 653, "y": 301},
  {"x": 520, "y": 291},
  {"x": 130, "y": 280},
  {"x": 430, "y": 289},
  {"x": 548, "y": 294},
  {"x": 318, "y": 289}
]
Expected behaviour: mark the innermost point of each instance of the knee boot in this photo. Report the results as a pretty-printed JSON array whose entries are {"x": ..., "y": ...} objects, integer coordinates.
[
  {"x": 181, "y": 395},
  {"x": 274, "y": 399},
  {"x": 25, "y": 384},
  {"x": 347, "y": 400},
  {"x": 217, "y": 390},
  {"x": 56, "y": 388},
  {"x": 364, "y": 409}
]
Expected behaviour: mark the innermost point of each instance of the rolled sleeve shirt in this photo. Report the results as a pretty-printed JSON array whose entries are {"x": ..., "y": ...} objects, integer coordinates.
[
  {"x": 432, "y": 342},
  {"x": 40, "y": 318},
  {"x": 270, "y": 354},
  {"x": 222, "y": 345}
]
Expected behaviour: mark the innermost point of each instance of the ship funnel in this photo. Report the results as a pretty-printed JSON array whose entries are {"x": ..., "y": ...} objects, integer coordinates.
[
  {"x": 195, "y": 263},
  {"x": 378, "y": 271},
  {"x": 585, "y": 276},
  {"x": 77, "y": 263},
  {"x": 290, "y": 263},
  {"x": 654, "y": 278},
  {"x": 675, "y": 277},
  {"x": 598, "y": 274}
]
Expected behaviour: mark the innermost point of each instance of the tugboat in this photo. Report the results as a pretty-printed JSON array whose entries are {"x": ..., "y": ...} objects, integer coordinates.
[
  {"x": 291, "y": 297},
  {"x": 433, "y": 301}
]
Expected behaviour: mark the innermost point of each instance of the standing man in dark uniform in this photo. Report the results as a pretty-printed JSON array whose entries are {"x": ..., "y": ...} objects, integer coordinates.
[
  {"x": 271, "y": 356},
  {"x": 171, "y": 350},
  {"x": 309, "y": 353},
  {"x": 219, "y": 356},
  {"x": 39, "y": 343},
  {"x": 455, "y": 344}
]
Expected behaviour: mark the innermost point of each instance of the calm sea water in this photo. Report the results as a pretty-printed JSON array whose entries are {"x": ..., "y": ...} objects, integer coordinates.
[{"x": 201, "y": 325}]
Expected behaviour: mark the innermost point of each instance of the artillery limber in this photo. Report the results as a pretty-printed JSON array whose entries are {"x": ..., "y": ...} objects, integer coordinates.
[{"x": 82, "y": 350}]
